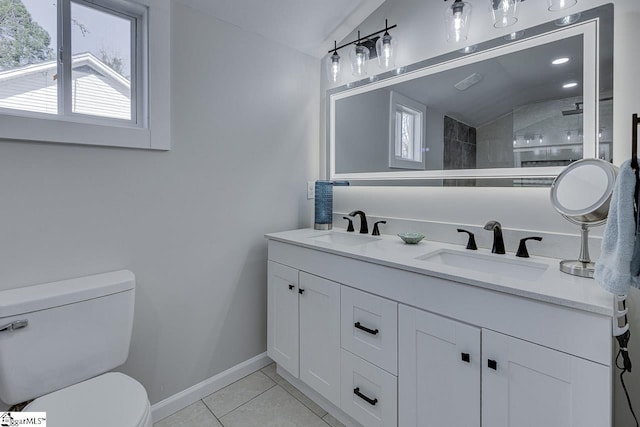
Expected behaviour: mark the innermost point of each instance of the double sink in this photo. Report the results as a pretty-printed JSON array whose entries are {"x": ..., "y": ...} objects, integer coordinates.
[{"x": 502, "y": 265}]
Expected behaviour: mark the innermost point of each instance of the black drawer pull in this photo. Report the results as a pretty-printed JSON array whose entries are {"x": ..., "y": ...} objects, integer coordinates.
[
  {"x": 492, "y": 364},
  {"x": 371, "y": 402},
  {"x": 300, "y": 291},
  {"x": 367, "y": 330},
  {"x": 291, "y": 287},
  {"x": 466, "y": 357}
]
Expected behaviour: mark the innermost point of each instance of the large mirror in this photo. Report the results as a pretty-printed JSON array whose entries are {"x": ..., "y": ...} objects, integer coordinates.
[{"x": 507, "y": 113}]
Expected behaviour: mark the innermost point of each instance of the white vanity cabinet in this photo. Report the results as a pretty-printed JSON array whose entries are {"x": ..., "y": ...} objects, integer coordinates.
[
  {"x": 439, "y": 371},
  {"x": 524, "y": 384},
  {"x": 445, "y": 373},
  {"x": 379, "y": 343},
  {"x": 303, "y": 328}
]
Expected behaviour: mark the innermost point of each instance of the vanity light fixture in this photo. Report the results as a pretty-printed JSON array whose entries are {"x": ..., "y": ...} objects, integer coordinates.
[
  {"x": 361, "y": 50},
  {"x": 570, "y": 85},
  {"x": 504, "y": 12},
  {"x": 555, "y": 5},
  {"x": 457, "y": 21},
  {"x": 560, "y": 61}
]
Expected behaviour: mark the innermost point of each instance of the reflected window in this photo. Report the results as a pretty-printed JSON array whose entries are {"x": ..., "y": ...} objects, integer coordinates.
[{"x": 407, "y": 130}]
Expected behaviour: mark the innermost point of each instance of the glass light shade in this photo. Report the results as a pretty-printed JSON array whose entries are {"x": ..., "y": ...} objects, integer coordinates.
[
  {"x": 359, "y": 56},
  {"x": 505, "y": 12},
  {"x": 457, "y": 21},
  {"x": 386, "y": 50},
  {"x": 560, "y": 4},
  {"x": 334, "y": 74}
]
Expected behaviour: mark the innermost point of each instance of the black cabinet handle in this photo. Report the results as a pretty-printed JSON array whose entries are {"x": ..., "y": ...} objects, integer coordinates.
[
  {"x": 492, "y": 364},
  {"x": 466, "y": 357},
  {"x": 300, "y": 291},
  {"x": 370, "y": 401},
  {"x": 291, "y": 287},
  {"x": 367, "y": 330}
]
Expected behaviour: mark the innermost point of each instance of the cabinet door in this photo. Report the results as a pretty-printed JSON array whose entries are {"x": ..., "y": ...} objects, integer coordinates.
[
  {"x": 282, "y": 316},
  {"x": 438, "y": 371},
  {"x": 527, "y": 385},
  {"x": 320, "y": 335}
]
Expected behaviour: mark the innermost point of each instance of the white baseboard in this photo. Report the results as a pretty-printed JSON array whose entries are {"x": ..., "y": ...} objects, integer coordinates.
[{"x": 181, "y": 400}]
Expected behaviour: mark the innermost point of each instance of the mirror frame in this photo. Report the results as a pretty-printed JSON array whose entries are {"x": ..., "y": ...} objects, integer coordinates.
[{"x": 590, "y": 26}]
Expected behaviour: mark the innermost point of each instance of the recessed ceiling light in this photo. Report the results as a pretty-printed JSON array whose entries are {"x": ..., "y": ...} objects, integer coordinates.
[
  {"x": 559, "y": 61},
  {"x": 570, "y": 85}
]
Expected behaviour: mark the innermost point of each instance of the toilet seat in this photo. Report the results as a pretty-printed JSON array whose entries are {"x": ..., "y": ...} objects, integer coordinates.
[{"x": 104, "y": 401}]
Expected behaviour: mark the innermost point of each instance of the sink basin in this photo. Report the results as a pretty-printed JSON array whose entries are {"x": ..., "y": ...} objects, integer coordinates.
[
  {"x": 494, "y": 264},
  {"x": 344, "y": 239}
]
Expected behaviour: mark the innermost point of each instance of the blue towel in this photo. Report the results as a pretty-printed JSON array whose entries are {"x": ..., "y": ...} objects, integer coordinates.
[
  {"x": 635, "y": 259},
  {"x": 613, "y": 268}
]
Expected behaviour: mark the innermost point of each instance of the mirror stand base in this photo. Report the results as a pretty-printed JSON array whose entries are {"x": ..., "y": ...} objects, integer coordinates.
[{"x": 578, "y": 268}]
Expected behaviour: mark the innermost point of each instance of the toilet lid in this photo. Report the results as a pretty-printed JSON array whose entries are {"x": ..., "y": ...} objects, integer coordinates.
[{"x": 111, "y": 399}]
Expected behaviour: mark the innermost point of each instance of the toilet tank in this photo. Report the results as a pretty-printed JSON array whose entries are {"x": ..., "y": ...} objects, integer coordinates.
[{"x": 62, "y": 333}]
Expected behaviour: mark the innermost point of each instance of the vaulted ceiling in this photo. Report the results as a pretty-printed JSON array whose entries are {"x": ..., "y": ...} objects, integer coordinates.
[{"x": 309, "y": 26}]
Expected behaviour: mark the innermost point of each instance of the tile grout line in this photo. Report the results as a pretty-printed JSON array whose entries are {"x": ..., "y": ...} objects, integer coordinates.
[
  {"x": 255, "y": 397},
  {"x": 209, "y": 409},
  {"x": 303, "y": 404}
]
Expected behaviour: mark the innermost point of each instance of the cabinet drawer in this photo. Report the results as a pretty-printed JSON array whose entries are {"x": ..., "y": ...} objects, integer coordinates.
[
  {"x": 370, "y": 328},
  {"x": 369, "y": 394}
]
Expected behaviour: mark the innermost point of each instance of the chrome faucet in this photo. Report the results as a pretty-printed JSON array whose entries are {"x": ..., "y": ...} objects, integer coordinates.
[
  {"x": 364, "y": 228},
  {"x": 498, "y": 241}
]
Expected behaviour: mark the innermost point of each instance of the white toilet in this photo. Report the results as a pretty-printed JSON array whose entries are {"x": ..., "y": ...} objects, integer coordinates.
[{"x": 57, "y": 340}]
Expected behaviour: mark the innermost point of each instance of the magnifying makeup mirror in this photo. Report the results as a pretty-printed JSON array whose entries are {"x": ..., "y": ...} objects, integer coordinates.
[{"x": 582, "y": 193}]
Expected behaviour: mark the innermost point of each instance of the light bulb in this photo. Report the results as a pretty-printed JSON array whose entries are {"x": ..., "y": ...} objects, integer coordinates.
[
  {"x": 334, "y": 75},
  {"x": 359, "y": 59},
  {"x": 457, "y": 17},
  {"x": 386, "y": 48},
  {"x": 540, "y": 140},
  {"x": 505, "y": 12},
  {"x": 568, "y": 136}
]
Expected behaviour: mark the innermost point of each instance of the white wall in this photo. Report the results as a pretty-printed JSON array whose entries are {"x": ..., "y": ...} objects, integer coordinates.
[
  {"x": 421, "y": 33},
  {"x": 188, "y": 222}
]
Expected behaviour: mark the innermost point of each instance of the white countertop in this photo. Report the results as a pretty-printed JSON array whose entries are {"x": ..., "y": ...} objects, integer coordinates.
[{"x": 552, "y": 286}]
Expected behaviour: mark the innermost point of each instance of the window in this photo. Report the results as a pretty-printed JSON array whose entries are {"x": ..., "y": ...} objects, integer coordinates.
[
  {"x": 406, "y": 133},
  {"x": 77, "y": 71}
]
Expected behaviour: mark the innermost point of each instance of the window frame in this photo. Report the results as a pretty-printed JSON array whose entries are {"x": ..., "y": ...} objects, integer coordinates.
[
  {"x": 149, "y": 127},
  {"x": 400, "y": 104}
]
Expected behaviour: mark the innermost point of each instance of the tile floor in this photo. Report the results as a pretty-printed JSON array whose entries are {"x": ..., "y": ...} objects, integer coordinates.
[{"x": 262, "y": 399}]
